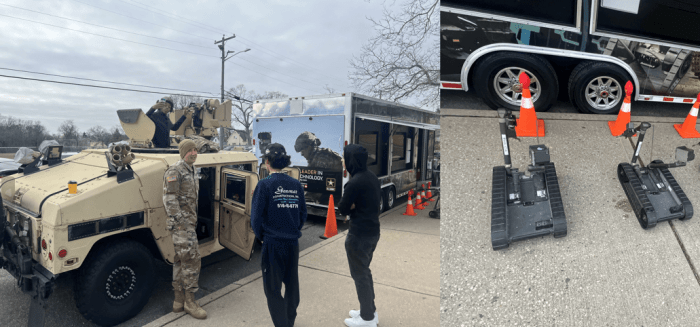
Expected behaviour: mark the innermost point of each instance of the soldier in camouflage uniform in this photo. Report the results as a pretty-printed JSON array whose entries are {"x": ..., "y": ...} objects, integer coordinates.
[
  {"x": 321, "y": 158},
  {"x": 180, "y": 190}
]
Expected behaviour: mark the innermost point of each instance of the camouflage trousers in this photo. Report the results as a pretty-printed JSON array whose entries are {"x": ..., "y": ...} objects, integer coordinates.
[{"x": 188, "y": 261}]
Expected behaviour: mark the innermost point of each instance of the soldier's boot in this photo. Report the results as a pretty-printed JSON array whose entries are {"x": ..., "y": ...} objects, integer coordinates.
[
  {"x": 192, "y": 308},
  {"x": 179, "y": 303}
]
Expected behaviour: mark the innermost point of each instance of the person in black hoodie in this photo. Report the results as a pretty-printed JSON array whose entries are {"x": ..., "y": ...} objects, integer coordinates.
[
  {"x": 159, "y": 115},
  {"x": 278, "y": 214},
  {"x": 361, "y": 201}
]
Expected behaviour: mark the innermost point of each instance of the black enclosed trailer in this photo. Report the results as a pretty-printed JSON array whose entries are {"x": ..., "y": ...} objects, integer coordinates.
[
  {"x": 587, "y": 49},
  {"x": 314, "y": 130}
]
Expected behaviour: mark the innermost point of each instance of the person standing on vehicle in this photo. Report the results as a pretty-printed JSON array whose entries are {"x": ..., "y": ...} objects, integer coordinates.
[
  {"x": 159, "y": 115},
  {"x": 361, "y": 201},
  {"x": 277, "y": 216},
  {"x": 180, "y": 193}
]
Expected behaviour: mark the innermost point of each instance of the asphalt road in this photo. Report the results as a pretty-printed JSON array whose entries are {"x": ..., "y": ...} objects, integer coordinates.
[
  {"x": 456, "y": 99},
  {"x": 218, "y": 270}
]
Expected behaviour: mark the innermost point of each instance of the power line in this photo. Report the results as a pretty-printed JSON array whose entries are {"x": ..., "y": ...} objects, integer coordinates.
[
  {"x": 109, "y": 37},
  {"x": 111, "y": 28},
  {"x": 155, "y": 46},
  {"x": 170, "y": 15},
  {"x": 127, "y": 16},
  {"x": 97, "y": 80},
  {"x": 98, "y": 86},
  {"x": 160, "y": 12}
]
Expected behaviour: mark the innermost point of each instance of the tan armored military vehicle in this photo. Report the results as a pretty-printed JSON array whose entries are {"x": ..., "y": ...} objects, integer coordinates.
[{"x": 100, "y": 213}]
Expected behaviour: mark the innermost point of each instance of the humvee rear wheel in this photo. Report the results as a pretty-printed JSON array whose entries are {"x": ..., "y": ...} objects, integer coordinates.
[{"x": 115, "y": 282}]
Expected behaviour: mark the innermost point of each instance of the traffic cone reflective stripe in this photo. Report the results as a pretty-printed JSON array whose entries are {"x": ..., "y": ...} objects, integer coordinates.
[
  {"x": 430, "y": 194},
  {"x": 619, "y": 126},
  {"x": 331, "y": 227},
  {"x": 418, "y": 203},
  {"x": 409, "y": 207},
  {"x": 687, "y": 129},
  {"x": 528, "y": 124}
]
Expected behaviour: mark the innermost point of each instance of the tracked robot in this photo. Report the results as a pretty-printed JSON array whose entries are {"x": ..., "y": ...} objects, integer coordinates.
[
  {"x": 653, "y": 192},
  {"x": 524, "y": 205}
]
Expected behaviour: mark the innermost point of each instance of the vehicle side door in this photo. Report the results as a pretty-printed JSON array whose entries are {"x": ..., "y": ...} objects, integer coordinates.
[{"x": 235, "y": 230}]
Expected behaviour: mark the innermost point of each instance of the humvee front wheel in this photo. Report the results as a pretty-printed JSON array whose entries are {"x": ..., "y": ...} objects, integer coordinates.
[{"x": 115, "y": 282}]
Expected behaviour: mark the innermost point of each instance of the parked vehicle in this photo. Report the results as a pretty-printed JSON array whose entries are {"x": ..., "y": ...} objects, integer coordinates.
[
  {"x": 314, "y": 130},
  {"x": 111, "y": 227},
  {"x": 587, "y": 48}
]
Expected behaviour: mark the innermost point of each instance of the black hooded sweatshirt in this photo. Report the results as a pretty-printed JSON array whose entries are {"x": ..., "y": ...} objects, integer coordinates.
[{"x": 363, "y": 190}]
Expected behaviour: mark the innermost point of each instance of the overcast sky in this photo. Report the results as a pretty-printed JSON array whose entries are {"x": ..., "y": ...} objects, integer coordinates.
[{"x": 297, "y": 47}]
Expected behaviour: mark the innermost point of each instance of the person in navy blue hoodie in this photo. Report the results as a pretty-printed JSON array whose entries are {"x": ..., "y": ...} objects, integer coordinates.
[
  {"x": 360, "y": 200},
  {"x": 278, "y": 214}
]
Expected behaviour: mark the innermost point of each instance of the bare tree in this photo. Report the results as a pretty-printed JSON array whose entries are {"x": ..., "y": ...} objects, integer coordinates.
[
  {"x": 99, "y": 134},
  {"x": 68, "y": 130},
  {"x": 401, "y": 61},
  {"x": 18, "y": 133},
  {"x": 242, "y": 100},
  {"x": 328, "y": 89},
  {"x": 183, "y": 101},
  {"x": 117, "y": 134}
]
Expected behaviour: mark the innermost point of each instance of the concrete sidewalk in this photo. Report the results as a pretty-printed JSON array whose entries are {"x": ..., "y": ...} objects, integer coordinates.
[
  {"x": 405, "y": 267},
  {"x": 607, "y": 271}
]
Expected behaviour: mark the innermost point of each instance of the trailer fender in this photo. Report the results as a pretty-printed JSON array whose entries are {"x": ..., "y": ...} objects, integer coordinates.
[{"x": 476, "y": 55}]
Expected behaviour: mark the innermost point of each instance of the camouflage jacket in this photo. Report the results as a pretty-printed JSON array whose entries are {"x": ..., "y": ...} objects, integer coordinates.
[
  {"x": 324, "y": 158},
  {"x": 180, "y": 190}
]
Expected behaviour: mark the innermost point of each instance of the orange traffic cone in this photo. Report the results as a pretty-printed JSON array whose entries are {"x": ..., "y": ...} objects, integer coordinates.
[
  {"x": 331, "y": 228},
  {"x": 422, "y": 193},
  {"x": 430, "y": 194},
  {"x": 687, "y": 129},
  {"x": 418, "y": 202},
  {"x": 409, "y": 207},
  {"x": 623, "y": 118},
  {"x": 528, "y": 124}
]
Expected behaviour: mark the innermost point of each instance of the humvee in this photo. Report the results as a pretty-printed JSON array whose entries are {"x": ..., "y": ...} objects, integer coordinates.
[{"x": 112, "y": 227}]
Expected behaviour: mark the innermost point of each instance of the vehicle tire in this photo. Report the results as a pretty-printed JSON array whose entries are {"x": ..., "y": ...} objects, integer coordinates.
[
  {"x": 115, "y": 282},
  {"x": 598, "y": 87},
  {"x": 389, "y": 197},
  {"x": 381, "y": 201},
  {"x": 497, "y": 74}
]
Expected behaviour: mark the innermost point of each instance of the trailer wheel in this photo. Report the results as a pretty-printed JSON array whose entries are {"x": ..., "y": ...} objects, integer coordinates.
[
  {"x": 381, "y": 202},
  {"x": 115, "y": 282},
  {"x": 496, "y": 80},
  {"x": 598, "y": 87},
  {"x": 389, "y": 198}
]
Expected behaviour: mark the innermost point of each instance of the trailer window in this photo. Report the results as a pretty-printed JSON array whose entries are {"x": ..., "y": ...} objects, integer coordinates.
[
  {"x": 560, "y": 12},
  {"x": 369, "y": 142},
  {"x": 665, "y": 20},
  {"x": 399, "y": 151},
  {"x": 235, "y": 188}
]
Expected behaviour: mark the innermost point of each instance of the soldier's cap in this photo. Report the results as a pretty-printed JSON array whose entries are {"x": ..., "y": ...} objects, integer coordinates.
[
  {"x": 186, "y": 146},
  {"x": 275, "y": 150},
  {"x": 306, "y": 139}
]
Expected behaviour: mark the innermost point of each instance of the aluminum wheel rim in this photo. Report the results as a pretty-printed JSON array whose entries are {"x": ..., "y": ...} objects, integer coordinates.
[
  {"x": 391, "y": 199},
  {"x": 603, "y": 93},
  {"x": 505, "y": 83}
]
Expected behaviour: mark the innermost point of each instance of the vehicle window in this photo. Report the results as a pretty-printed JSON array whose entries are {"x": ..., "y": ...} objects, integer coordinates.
[
  {"x": 399, "y": 150},
  {"x": 668, "y": 20},
  {"x": 369, "y": 142},
  {"x": 560, "y": 12},
  {"x": 235, "y": 188}
]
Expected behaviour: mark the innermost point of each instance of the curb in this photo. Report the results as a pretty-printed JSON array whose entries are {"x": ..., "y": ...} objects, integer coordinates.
[
  {"x": 172, "y": 316},
  {"x": 467, "y": 113}
]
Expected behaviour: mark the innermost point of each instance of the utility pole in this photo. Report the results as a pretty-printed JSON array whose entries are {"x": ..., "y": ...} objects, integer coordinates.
[{"x": 223, "y": 59}]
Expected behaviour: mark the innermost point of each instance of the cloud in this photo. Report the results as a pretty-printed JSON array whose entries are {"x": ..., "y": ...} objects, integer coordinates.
[{"x": 291, "y": 40}]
